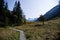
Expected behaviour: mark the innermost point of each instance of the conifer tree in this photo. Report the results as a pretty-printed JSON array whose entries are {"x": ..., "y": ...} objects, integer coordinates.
[
  {"x": 14, "y": 14},
  {"x": 14, "y": 9},
  {"x": 6, "y": 6},
  {"x": 2, "y": 12},
  {"x": 17, "y": 12},
  {"x": 6, "y": 13}
]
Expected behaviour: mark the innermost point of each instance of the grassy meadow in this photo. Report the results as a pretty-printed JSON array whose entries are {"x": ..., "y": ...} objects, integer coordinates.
[
  {"x": 8, "y": 34},
  {"x": 37, "y": 31},
  {"x": 33, "y": 31}
]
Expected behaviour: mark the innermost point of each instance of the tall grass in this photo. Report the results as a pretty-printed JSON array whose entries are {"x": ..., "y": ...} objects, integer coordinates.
[
  {"x": 45, "y": 32},
  {"x": 7, "y": 34}
]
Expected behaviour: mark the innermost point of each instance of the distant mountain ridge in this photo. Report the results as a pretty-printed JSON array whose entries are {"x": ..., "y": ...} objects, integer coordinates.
[
  {"x": 31, "y": 19},
  {"x": 52, "y": 13}
]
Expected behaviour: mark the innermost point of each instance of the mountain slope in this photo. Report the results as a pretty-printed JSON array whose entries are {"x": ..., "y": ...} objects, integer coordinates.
[{"x": 52, "y": 13}]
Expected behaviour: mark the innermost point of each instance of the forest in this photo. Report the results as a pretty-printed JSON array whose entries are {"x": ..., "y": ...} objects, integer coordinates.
[{"x": 9, "y": 18}]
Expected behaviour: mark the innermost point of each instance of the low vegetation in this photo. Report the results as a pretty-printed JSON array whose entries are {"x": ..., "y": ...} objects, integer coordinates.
[
  {"x": 34, "y": 31},
  {"x": 48, "y": 31},
  {"x": 8, "y": 34}
]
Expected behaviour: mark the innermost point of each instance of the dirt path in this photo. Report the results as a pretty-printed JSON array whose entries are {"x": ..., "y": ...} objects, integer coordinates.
[{"x": 22, "y": 34}]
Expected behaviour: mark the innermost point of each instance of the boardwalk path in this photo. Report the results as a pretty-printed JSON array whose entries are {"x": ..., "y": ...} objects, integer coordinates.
[{"x": 22, "y": 35}]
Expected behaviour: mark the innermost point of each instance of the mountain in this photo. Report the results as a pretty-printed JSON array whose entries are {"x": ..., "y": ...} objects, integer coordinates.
[
  {"x": 52, "y": 13},
  {"x": 31, "y": 19}
]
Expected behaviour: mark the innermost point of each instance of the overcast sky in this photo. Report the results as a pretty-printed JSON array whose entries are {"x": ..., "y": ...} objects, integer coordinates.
[{"x": 34, "y": 8}]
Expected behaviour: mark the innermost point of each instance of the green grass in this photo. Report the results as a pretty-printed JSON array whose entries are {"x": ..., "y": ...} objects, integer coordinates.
[
  {"x": 8, "y": 34},
  {"x": 44, "y": 32}
]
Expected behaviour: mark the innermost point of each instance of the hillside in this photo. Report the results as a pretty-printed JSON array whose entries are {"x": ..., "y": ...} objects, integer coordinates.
[{"x": 54, "y": 12}]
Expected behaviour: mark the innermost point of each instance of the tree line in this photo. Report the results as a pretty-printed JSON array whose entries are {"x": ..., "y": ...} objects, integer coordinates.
[{"x": 9, "y": 18}]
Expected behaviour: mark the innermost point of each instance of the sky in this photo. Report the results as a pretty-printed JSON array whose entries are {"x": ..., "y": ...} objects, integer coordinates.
[{"x": 34, "y": 8}]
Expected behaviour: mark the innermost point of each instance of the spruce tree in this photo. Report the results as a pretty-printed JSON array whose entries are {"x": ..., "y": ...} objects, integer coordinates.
[
  {"x": 14, "y": 14},
  {"x": 6, "y": 6},
  {"x": 1, "y": 6},
  {"x": 2, "y": 13},
  {"x": 17, "y": 12},
  {"x": 14, "y": 9},
  {"x": 6, "y": 13}
]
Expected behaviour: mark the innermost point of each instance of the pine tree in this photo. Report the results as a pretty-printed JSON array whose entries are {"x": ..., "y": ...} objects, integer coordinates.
[
  {"x": 14, "y": 9},
  {"x": 6, "y": 12},
  {"x": 2, "y": 12},
  {"x": 17, "y": 12},
  {"x": 6, "y": 6},
  {"x": 1, "y": 6},
  {"x": 14, "y": 20}
]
